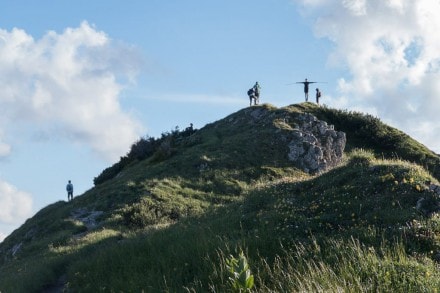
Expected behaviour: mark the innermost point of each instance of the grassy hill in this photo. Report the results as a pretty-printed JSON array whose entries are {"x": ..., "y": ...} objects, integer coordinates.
[{"x": 177, "y": 218}]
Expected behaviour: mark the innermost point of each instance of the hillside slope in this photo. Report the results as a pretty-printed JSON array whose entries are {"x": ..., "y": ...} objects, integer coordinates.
[{"x": 170, "y": 221}]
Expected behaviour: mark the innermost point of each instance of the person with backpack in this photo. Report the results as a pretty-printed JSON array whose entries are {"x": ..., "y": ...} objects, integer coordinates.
[
  {"x": 318, "y": 95},
  {"x": 69, "y": 189},
  {"x": 254, "y": 94},
  {"x": 251, "y": 95}
]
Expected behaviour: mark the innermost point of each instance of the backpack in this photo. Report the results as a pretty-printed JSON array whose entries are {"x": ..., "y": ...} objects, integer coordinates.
[{"x": 250, "y": 92}]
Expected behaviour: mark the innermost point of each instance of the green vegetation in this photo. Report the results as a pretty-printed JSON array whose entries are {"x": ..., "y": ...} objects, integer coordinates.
[
  {"x": 240, "y": 275},
  {"x": 368, "y": 132},
  {"x": 225, "y": 211},
  {"x": 149, "y": 147}
]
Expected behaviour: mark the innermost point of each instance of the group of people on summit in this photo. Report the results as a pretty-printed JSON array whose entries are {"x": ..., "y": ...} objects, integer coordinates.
[
  {"x": 254, "y": 92},
  {"x": 254, "y": 96}
]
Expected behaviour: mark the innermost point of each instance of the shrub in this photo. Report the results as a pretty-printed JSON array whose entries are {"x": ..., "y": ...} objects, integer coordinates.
[
  {"x": 111, "y": 172},
  {"x": 158, "y": 149},
  {"x": 143, "y": 148},
  {"x": 140, "y": 215},
  {"x": 361, "y": 157},
  {"x": 147, "y": 212}
]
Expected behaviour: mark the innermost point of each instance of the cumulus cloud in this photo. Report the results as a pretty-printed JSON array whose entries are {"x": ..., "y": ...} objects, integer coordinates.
[
  {"x": 391, "y": 49},
  {"x": 16, "y": 205},
  {"x": 68, "y": 85},
  {"x": 5, "y": 149}
]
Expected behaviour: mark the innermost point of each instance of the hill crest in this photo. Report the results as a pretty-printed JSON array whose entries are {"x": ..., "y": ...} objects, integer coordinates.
[{"x": 240, "y": 166}]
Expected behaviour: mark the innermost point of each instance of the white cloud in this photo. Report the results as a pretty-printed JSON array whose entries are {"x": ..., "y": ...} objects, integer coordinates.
[
  {"x": 72, "y": 80},
  {"x": 5, "y": 148},
  {"x": 16, "y": 205},
  {"x": 2, "y": 236},
  {"x": 391, "y": 49},
  {"x": 357, "y": 7}
]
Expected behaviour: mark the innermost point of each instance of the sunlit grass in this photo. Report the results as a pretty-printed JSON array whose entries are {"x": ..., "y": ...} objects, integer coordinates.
[
  {"x": 348, "y": 266},
  {"x": 171, "y": 225}
]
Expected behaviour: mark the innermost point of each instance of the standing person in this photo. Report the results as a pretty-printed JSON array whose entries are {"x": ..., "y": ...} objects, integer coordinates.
[
  {"x": 306, "y": 88},
  {"x": 69, "y": 188},
  {"x": 254, "y": 94},
  {"x": 318, "y": 95},
  {"x": 257, "y": 92},
  {"x": 257, "y": 89},
  {"x": 252, "y": 97}
]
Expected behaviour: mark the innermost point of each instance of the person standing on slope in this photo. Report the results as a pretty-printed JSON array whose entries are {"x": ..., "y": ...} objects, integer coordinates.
[{"x": 69, "y": 189}]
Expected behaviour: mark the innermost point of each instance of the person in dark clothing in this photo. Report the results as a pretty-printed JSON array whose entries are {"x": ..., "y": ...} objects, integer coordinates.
[
  {"x": 306, "y": 88},
  {"x": 254, "y": 94},
  {"x": 69, "y": 189},
  {"x": 252, "y": 97},
  {"x": 318, "y": 95}
]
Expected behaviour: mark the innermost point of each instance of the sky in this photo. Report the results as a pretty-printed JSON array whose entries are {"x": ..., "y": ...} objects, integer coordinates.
[{"x": 81, "y": 81}]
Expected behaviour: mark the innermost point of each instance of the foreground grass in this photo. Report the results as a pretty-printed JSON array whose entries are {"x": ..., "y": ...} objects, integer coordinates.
[
  {"x": 170, "y": 225},
  {"x": 348, "y": 266},
  {"x": 352, "y": 229},
  {"x": 329, "y": 266}
]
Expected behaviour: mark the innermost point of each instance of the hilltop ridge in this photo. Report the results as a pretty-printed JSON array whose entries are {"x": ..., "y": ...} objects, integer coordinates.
[{"x": 166, "y": 219}]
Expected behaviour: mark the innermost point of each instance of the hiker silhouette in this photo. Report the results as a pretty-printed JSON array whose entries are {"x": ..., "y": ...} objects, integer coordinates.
[
  {"x": 318, "y": 95},
  {"x": 69, "y": 189},
  {"x": 306, "y": 88},
  {"x": 254, "y": 94},
  {"x": 257, "y": 90}
]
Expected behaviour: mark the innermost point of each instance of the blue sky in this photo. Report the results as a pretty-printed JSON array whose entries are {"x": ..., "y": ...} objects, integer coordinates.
[{"x": 80, "y": 81}]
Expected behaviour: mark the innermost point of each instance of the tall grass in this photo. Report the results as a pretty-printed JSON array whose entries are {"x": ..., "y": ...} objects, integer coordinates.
[
  {"x": 329, "y": 266},
  {"x": 171, "y": 224},
  {"x": 347, "y": 266}
]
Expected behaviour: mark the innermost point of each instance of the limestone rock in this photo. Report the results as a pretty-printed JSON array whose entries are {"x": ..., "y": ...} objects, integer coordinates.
[{"x": 315, "y": 146}]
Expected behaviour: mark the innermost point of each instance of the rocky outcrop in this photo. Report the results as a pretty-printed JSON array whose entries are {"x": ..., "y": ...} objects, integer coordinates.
[
  {"x": 315, "y": 146},
  {"x": 431, "y": 204},
  {"x": 312, "y": 145},
  {"x": 434, "y": 188},
  {"x": 88, "y": 218}
]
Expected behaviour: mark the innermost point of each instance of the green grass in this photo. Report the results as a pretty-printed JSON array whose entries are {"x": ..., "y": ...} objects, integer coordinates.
[
  {"x": 313, "y": 245},
  {"x": 368, "y": 132},
  {"x": 171, "y": 225},
  {"x": 348, "y": 266}
]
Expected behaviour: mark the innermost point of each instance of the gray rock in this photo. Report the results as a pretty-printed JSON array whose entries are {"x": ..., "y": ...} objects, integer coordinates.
[
  {"x": 427, "y": 206},
  {"x": 434, "y": 188},
  {"x": 314, "y": 146},
  {"x": 86, "y": 217},
  {"x": 16, "y": 248}
]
